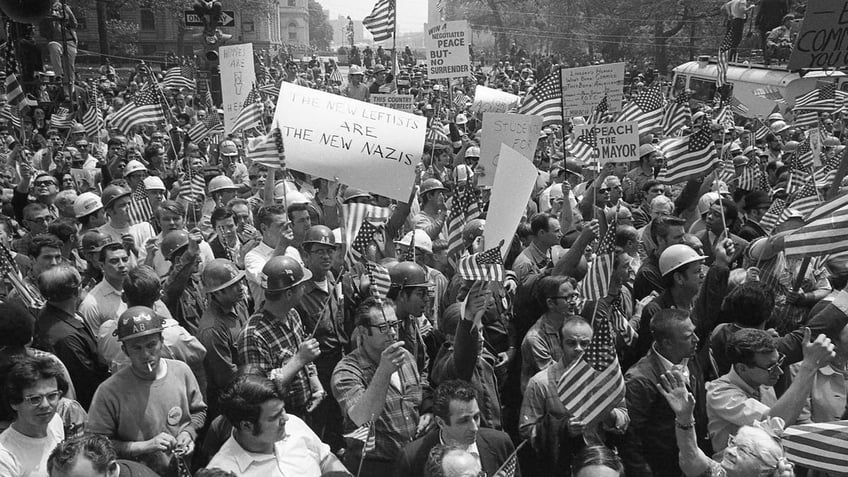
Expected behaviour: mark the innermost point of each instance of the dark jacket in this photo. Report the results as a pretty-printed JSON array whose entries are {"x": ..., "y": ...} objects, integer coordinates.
[
  {"x": 649, "y": 447},
  {"x": 494, "y": 447},
  {"x": 751, "y": 230}
]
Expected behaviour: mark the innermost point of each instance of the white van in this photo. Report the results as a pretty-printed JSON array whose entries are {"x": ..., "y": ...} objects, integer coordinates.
[{"x": 700, "y": 77}]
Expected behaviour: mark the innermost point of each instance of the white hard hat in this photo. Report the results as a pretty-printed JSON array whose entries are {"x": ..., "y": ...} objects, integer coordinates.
[
  {"x": 87, "y": 203},
  {"x": 779, "y": 126},
  {"x": 220, "y": 183},
  {"x": 677, "y": 255},
  {"x": 154, "y": 183},
  {"x": 133, "y": 166},
  {"x": 422, "y": 240}
]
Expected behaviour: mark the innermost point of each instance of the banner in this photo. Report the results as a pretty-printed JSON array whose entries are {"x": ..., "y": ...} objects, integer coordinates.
[
  {"x": 617, "y": 142},
  {"x": 584, "y": 87},
  {"x": 448, "y": 55},
  {"x": 518, "y": 131},
  {"x": 363, "y": 145},
  {"x": 490, "y": 100},
  {"x": 513, "y": 184},
  {"x": 237, "y": 79},
  {"x": 820, "y": 40},
  {"x": 400, "y": 102}
]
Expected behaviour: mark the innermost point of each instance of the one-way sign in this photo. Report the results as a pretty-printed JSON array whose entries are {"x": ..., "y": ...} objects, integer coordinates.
[{"x": 228, "y": 19}]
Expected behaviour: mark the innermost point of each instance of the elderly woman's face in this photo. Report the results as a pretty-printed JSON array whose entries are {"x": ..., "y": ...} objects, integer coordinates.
[{"x": 751, "y": 453}]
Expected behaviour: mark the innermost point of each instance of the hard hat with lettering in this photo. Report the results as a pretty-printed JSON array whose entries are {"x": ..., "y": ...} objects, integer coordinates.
[
  {"x": 154, "y": 183},
  {"x": 219, "y": 183},
  {"x": 133, "y": 166},
  {"x": 319, "y": 235},
  {"x": 676, "y": 256},
  {"x": 422, "y": 240},
  {"x": 138, "y": 321},
  {"x": 281, "y": 273},
  {"x": 409, "y": 274},
  {"x": 87, "y": 203},
  {"x": 112, "y": 193},
  {"x": 219, "y": 274}
]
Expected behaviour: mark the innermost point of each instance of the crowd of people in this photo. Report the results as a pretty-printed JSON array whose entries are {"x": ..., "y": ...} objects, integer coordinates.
[{"x": 170, "y": 307}]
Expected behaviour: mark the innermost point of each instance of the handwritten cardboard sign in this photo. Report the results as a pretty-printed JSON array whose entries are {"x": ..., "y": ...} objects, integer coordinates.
[
  {"x": 617, "y": 142},
  {"x": 448, "y": 55},
  {"x": 366, "y": 146},
  {"x": 518, "y": 131},
  {"x": 821, "y": 39},
  {"x": 584, "y": 87},
  {"x": 490, "y": 100},
  {"x": 237, "y": 79}
]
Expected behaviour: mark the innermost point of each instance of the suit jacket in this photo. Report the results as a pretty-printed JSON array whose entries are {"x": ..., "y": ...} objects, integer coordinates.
[
  {"x": 494, "y": 447},
  {"x": 740, "y": 243},
  {"x": 649, "y": 447}
]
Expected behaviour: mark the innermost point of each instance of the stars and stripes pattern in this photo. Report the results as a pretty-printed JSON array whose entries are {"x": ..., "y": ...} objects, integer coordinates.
[
  {"x": 192, "y": 187},
  {"x": 464, "y": 206},
  {"x": 677, "y": 114},
  {"x": 545, "y": 99},
  {"x": 437, "y": 135},
  {"x": 594, "y": 385},
  {"x": 364, "y": 236},
  {"x": 687, "y": 157},
  {"x": 146, "y": 107},
  {"x": 336, "y": 76},
  {"x": 646, "y": 109},
  {"x": 251, "y": 112},
  {"x": 210, "y": 126},
  {"x": 8, "y": 114},
  {"x": 738, "y": 106},
  {"x": 585, "y": 145},
  {"x": 459, "y": 100},
  {"x": 92, "y": 119},
  {"x": 724, "y": 58},
  {"x": 825, "y": 235},
  {"x": 818, "y": 446},
  {"x": 179, "y": 77},
  {"x": 806, "y": 119},
  {"x": 595, "y": 285},
  {"x": 601, "y": 112},
  {"x": 726, "y": 171},
  {"x": 725, "y": 117},
  {"x": 381, "y": 21},
  {"x": 827, "y": 174},
  {"x": 507, "y": 469},
  {"x": 380, "y": 279},
  {"x": 354, "y": 216},
  {"x": 267, "y": 150},
  {"x": 486, "y": 266},
  {"x": 140, "y": 209},
  {"x": 61, "y": 119},
  {"x": 806, "y": 199},
  {"x": 823, "y": 98},
  {"x": 14, "y": 91},
  {"x": 772, "y": 217},
  {"x": 803, "y": 156},
  {"x": 840, "y": 202}
]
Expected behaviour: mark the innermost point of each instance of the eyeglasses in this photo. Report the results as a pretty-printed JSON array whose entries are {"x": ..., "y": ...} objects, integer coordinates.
[
  {"x": 573, "y": 297},
  {"x": 604, "y": 191},
  {"x": 774, "y": 367},
  {"x": 44, "y": 183},
  {"x": 37, "y": 399},
  {"x": 384, "y": 327},
  {"x": 731, "y": 443}
]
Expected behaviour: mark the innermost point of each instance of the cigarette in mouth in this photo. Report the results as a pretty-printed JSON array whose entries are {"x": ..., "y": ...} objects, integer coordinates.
[{"x": 149, "y": 367}]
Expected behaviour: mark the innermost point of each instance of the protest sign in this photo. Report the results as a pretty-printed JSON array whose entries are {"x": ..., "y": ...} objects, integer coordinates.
[
  {"x": 489, "y": 100},
  {"x": 513, "y": 184},
  {"x": 815, "y": 136},
  {"x": 364, "y": 145},
  {"x": 583, "y": 88},
  {"x": 617, "y": 142},
  {"x": 518, "y": 131},
  {"x": 447, "y": 50},
  {"x": 820, "y": 40},
  {"x": 401, "y": 102},
  {"x": 237, "y": 79}
]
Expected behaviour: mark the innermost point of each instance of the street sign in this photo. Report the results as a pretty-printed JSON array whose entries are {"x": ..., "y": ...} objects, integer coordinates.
[{"x": 228, "y": 19}]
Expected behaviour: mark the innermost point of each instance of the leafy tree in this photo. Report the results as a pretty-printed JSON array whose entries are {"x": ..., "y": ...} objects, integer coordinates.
[{"x": 320, "y": 30}]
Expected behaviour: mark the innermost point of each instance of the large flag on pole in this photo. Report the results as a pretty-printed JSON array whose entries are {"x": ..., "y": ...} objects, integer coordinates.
[
  {"x": 251, "y": 112},
  {"x": 545, "y": 99},
  {"x": 646, "y": 109},
  {"x": 146, "y": 107},
  {"x": 724, "y": 58},
  {"x": 823, "y": 236},
  {"x": 818, "y": 446},
  {"x": 687, "y": 157},
  {"x": 381, "y": 21},
  {"x": 179, "y": 77}
]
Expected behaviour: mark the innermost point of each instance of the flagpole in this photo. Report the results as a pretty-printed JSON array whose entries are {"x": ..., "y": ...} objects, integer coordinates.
[
  {"x": 513, "y": 455},
  {"x": 394, "y": 42}
]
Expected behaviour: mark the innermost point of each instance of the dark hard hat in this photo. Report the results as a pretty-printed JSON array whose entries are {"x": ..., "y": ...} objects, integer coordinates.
[
  {"x": 112, "y": 193},
  {"x": 429, "y": 185},
  {"x": 320, "y": 235},
  {"x": 409, "y": 274},
  {"x": 219, "y": 274},
  {"x": 282, "y": 273},
  {"x": 136, "y": 322},
  {"x": 172, "y": 242}
]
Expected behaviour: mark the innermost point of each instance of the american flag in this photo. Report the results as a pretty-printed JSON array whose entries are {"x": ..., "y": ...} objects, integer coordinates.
[
  {"x": 14, "y": 91},
  {"x": 837, "y": 203},
  {"x": 687, "y": 157},
  {"x": 61, "y": 119},
  {"x": 336, "y": 75},
  {"x": 677, "y": 114},
  {"x": 251, "y": 112},
  {"x": 545, "y": 99},
  {"x": 806, "y": 119},
  {"x": 11, "y": 116},
  {"x": 364, "y": 237},
  {"x": 262, "y": 75},
  {"x": 818, "y": 446},
  {"x": 805, "y": 200},
  {"x": 210, "y": 103},
  {"x": 595, "y": 284},
  {"x": 646, "y": 109},
  {"x": 803, "y": 156},
  {"x": 726, "y": 171},
  {"x": 585, "y": 144},
  {"x": 459, "y": 100},
  {"x": 146, "y": 107},
  {"x": 464, "y": 206},
  {"x": 437, "y": 134},
  {"x": 210, "y": 126},
  {"x": 773, "y": 215},
  {"x": 827, "y": 174},
  {"x": 486, "y": 266},
  {"x": 724, "y": 58},
  {"x": 825, "y": 235},
  {"x": 381, "y": 21},
  {"x": 179, "y": 77},
  {"x": 192, "y": 187},
  {"x": 593, "y": 387},
  {"x": 380, "y": 279},
  {"x": 725, "y": 117},
  {"x": 601, "y": 111},
  {"x": 822, "y": 98},
  {"x": 354, "y": 217},
  {"x": 738, "y": 106},
  {"x": 267, "y": 150},
  {"x": 92, "y": 119},
  {"x": 140, "y": 209},
  {"x": 507, "y": 469},
  {"x": 769, "y": 92},
  {"x": 366, "y": 435}
]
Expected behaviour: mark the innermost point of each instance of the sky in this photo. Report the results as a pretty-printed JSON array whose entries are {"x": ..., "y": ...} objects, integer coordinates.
[{"x": 412, "y": 14}]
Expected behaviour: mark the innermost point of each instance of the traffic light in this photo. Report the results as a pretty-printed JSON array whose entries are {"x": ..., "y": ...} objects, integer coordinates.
[{"x": 211, "y": 43}]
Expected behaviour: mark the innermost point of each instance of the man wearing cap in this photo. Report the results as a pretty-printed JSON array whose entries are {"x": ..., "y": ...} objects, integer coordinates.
[
  {"x": 116, "y": 201},
  {"x": 153, "y": 409},
  {"x": 355, "y": 88},
  {"x": 221, "y": 323},
  {"x": 91, "y": 242},
  {"x": 756, "y": 204},
  {"x": 274, "y": 340},
  {"x": 321, "y": 309},
  {"x": 383, "y": 81},
  {"x": 231, "y": 165},
  {"x": 648, "y": 157},
  {"x": 431, "y": 218}
]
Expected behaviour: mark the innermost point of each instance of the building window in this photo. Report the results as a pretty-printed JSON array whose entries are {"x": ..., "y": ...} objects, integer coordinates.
[
  {"x": 148, "y": 20},
  {"x": 292, "y": 3},
  {"x": 148, "y": 49},
  {"x": 247, "y": 26},
  {"x": 292, "y": 36}
]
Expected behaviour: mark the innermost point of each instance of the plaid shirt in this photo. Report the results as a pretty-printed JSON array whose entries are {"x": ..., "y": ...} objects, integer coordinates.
[
  {"x": 396, "y": 425},
  {"x": 270, "y": 343}
]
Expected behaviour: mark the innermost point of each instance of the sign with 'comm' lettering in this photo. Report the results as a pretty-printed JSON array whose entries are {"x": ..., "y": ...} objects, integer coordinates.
[
  {"x": 822, "y": 39},
  {"x": 616, "y": 142},
  {"x": 363, "y": 145},
  {"x": 448, "y": 55}
]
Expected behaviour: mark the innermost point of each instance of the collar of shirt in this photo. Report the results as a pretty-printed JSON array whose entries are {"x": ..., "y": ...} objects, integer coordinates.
[
  {"x": 243, "y": 458},
  {"x": 735, "y": 379},
  {"x": 472, "y": 448},
  {"x": 536, "y": 254},
  {"x": 105, "y": 288},
  {"x": 683, "y": 367}
]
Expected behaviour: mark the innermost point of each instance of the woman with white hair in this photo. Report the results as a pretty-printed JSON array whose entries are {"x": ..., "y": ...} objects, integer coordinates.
[{"x": 753, "y": 451}]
